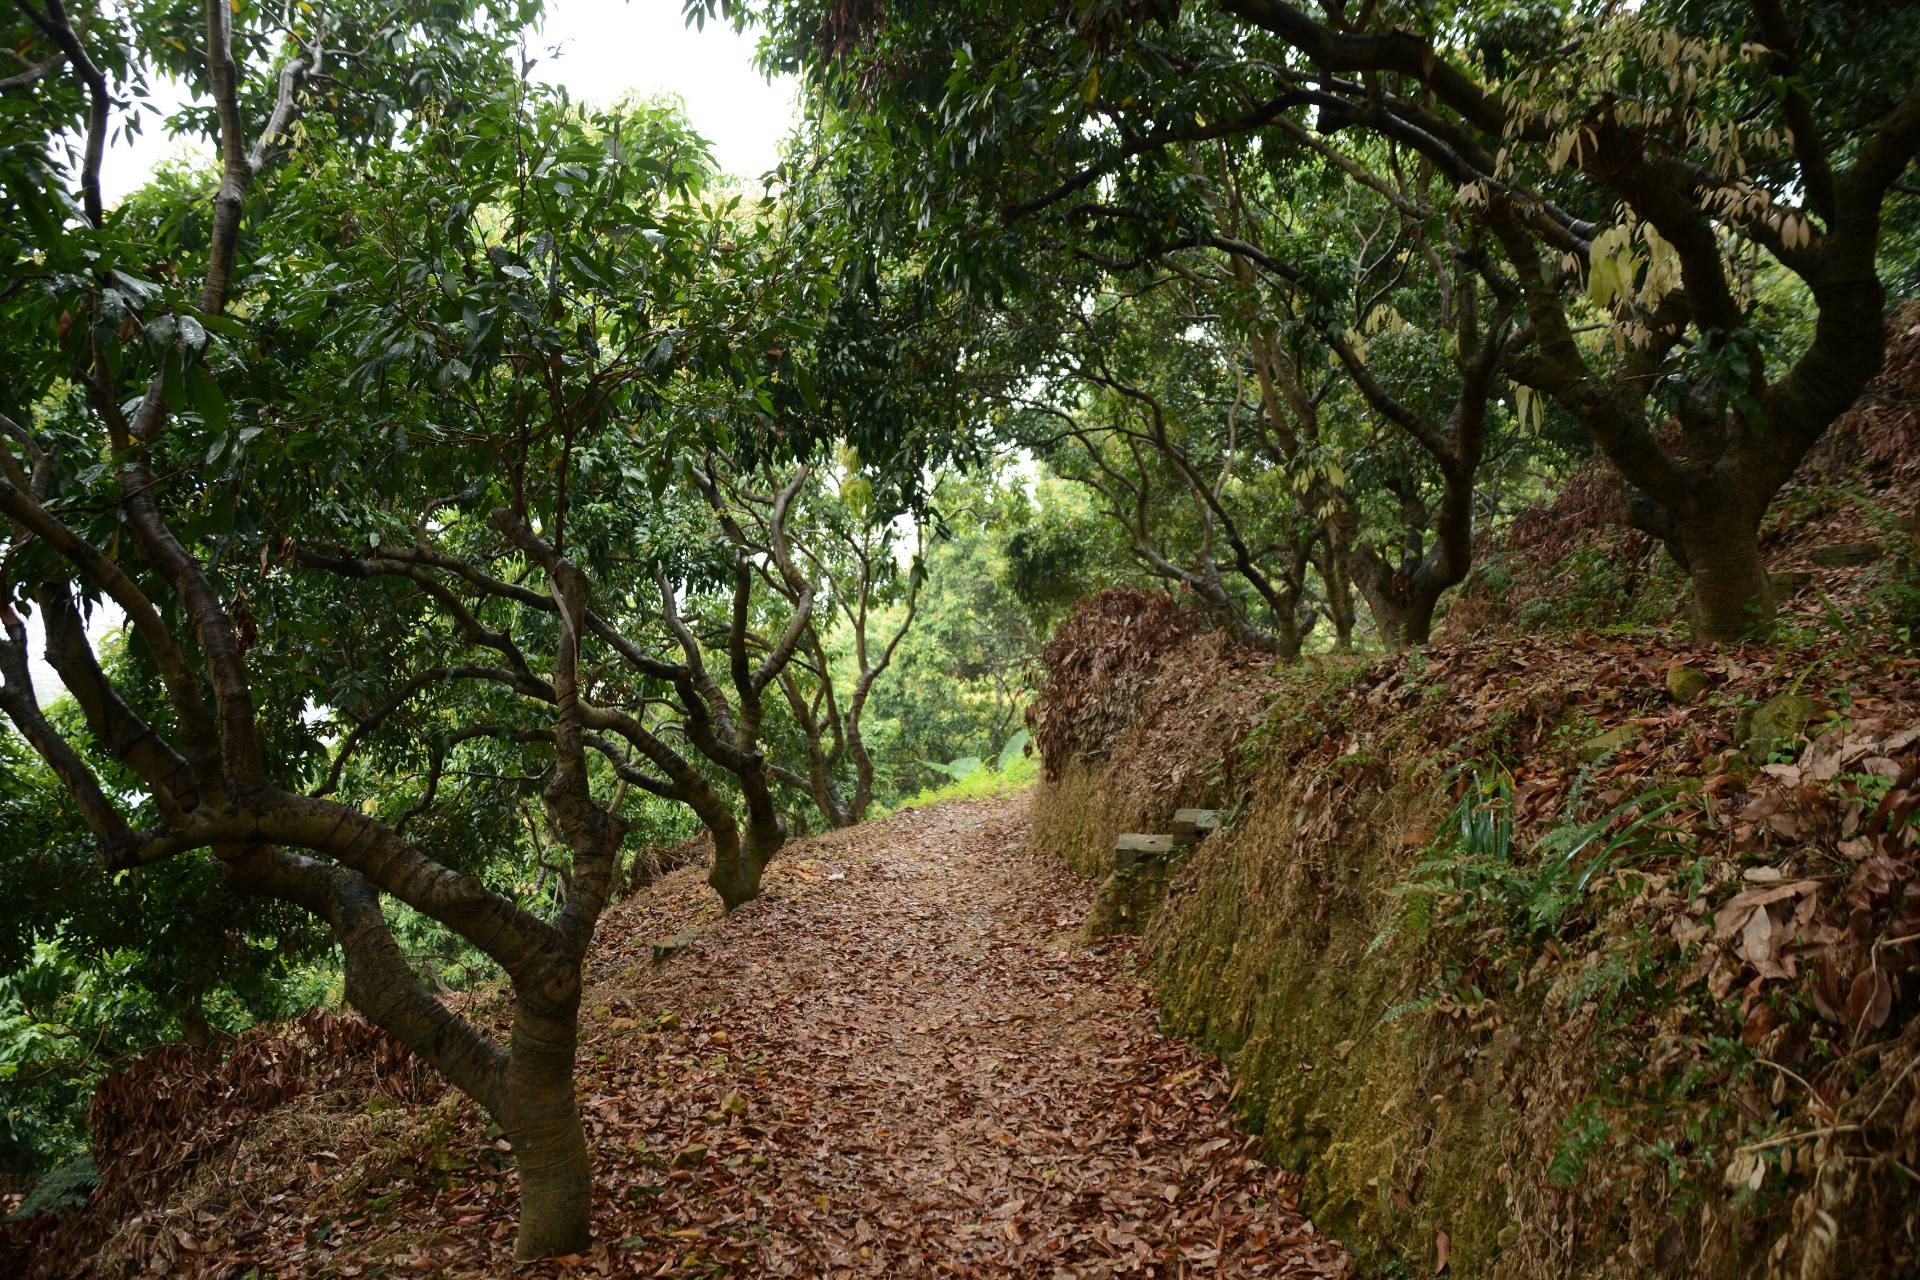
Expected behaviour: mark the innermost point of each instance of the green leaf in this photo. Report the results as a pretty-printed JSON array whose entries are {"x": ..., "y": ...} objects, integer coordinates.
[
  {"x": 959, "y": 770},
  {"x": 173, "y": 380},
  {"x": 1011, "y": 753},
  {"x": 209, "y": 400}
]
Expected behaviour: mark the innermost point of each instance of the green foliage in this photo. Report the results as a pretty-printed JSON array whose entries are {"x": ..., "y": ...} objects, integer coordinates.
[
  {"x": 67, "y": 1187},
  {"x": 1584, "y": 1132},
  {"x": 1591, "y": 587},
  {"x": 980, "y": 782},
  {"x": 1017, "y": 749},
  {"x": 1314, "y": 704},
  {"x": 960, "y": 679},
  {"x": 959, "y": 770},
  {"x": 1899, "y": 590},
  {"x": 92, "y": 969},
  {"x": 1472, "y": 875}
]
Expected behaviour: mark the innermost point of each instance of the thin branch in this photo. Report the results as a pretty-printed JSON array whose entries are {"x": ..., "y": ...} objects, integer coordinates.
[{"x": 57, "y": 27}]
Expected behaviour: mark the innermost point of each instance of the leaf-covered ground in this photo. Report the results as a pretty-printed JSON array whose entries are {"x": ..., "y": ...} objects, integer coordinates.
[{"x": 901, "y": 1061}]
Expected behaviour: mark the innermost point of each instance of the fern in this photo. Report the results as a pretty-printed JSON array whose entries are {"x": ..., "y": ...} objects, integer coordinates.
[
  {"x": 1407, "y": 1009},
  {"x": 1473, "y": 859},
  {"x": 68, "y": 1186},
  {"x": 1583, "y": 1132}
]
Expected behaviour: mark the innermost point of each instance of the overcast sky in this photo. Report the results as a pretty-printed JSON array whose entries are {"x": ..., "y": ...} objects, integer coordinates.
[{"x": 598, "y": 49}]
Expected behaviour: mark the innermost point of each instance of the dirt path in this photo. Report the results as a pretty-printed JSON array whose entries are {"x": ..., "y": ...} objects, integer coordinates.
[
  {"x": 899, "y": 1062},
  {"x": 941, "y": 1080}
]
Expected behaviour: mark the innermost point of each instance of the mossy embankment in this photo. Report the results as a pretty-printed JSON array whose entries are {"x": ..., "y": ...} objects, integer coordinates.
[{"x": 1519, "y": 959}]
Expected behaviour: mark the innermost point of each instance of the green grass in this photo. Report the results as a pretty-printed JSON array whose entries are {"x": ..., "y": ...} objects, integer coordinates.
[{"x": 981, "y": 784}]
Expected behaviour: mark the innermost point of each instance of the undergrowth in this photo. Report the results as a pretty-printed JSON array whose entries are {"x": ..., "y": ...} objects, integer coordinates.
[
  {"x": 980, "y": 783},
  {"x": 1473, "y": 879}
]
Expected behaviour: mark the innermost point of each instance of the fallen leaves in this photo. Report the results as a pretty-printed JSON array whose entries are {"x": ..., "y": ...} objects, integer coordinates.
[
  {"x": 1764, "y": 921},
  {"x": 892, "y": 1064}
]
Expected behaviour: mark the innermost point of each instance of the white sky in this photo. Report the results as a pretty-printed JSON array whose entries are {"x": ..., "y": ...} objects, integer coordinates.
[{"x": 599, "y": 49}]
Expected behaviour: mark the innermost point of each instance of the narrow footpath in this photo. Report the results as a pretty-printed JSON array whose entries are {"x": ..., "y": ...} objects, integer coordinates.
[{"x": 901, "y": 1061}]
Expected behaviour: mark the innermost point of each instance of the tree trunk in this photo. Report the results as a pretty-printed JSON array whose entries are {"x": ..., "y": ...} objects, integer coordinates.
[
  {"x": 862, "y": 769},
  {"x": 828, "y": 800},
  {"x": 542, "y": 1120},
  {"x": 1402, "y": 609},
  {"x": 821, "y": 788},
  {"x": 839, "y": 813},
  {"x": 1333, "y": 576},
  {"x": 732, "y": 875},
  {"x": 1416, "y": 621},
  {"x": 1402, "y": 618},
  {"x": 739, "y": 861},
  {"x": 1732, "y": 598},
  {"x": 528, "y": 1089}
]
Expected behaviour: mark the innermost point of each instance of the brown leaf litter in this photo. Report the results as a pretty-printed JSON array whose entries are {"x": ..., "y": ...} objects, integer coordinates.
[{"x": 901, "y": 1062}]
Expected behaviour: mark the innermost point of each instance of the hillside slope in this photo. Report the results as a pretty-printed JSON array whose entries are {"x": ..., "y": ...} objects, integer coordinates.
[{"x": 1562, "y": 947}]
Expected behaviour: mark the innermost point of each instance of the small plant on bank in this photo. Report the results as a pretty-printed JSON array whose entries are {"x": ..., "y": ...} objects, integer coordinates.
[{"x": 1471, "y": 876}]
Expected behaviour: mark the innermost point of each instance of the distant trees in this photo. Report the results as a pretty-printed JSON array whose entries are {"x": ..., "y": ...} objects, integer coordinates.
[
  {"x": 640, "y": 705},
  {"x": 1327, "y": 328},
  {"x": 1001, "y": 563},
  {"x": 1141, "y": 407},
  {"x": 1578, "y": 202},
  {"x": 823, "y": 549}
]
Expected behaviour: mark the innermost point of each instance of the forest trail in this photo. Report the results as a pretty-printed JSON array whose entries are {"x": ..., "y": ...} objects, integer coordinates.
[
  {"x": 901, "y": 1061},
  {"x": 941, "y": 1078}
]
